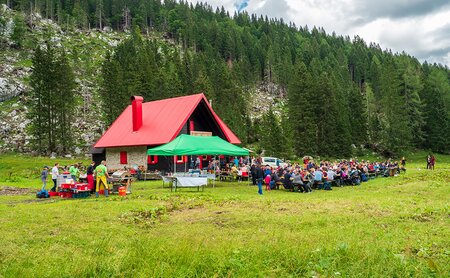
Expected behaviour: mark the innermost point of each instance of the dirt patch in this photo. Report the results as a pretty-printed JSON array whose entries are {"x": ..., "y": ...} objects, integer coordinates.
[
  {"x": 13, "y": 191},
  {"x": 47, "y": 200}
]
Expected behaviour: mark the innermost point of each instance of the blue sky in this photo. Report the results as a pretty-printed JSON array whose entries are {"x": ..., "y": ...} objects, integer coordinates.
[{"x": 419, "y": 27}]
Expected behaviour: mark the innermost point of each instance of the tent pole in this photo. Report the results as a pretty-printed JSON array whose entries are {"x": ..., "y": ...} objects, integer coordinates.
[{"x": 214, "y": 171}]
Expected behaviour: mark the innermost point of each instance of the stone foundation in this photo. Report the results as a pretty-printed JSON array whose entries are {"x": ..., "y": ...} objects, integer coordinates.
[{"x": 135, "y": 156}]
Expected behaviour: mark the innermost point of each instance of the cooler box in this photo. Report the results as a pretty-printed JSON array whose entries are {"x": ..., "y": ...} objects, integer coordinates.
[{"x": 64, "y": 178}]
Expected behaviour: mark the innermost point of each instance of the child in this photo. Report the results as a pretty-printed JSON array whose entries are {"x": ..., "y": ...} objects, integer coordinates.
[
  {"x": 267, "y": 181},
  {"x": 44, "y": 175}
]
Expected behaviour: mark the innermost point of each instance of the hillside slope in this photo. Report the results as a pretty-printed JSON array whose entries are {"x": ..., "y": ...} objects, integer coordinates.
[{"x": 285, "y": 89}]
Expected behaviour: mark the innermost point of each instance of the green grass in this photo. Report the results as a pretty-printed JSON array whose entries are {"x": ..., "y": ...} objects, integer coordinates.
[
  {"x": 388, "y": 227},
  {"x": 24, "y": 170}
]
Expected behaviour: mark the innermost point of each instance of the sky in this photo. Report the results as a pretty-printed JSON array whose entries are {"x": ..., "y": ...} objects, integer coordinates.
[{"x": 421, "y": 28}]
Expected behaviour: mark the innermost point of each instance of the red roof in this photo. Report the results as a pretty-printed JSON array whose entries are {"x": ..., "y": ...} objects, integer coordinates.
[{"x": 162, "y": 121}]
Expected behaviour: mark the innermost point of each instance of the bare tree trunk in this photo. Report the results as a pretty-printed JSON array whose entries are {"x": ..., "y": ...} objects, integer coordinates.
[{"x": 31, "y": 15}]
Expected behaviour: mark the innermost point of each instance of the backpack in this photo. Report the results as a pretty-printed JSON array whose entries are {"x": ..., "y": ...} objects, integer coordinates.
[{"x": 42, "y": 194}]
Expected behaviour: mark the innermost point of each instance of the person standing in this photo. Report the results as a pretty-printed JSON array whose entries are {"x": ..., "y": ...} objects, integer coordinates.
[
  {"x": 90, "y": 176},
  {"x": 267, "y": 181},
  {"x": 432, "y": 162},
  {"x": 73, "y": 170},
  {"x": 55, "y": 173},
  {"x": 197, "y": 162},
  {"x": 403, "y": 162},
  {"x": 259, "y": 178},
  {"x": 101, "y": 173},
  {"x": 429, "y": 161},
  {"x": 253, "y": 173},
  {"x": 44, "y": 175}
]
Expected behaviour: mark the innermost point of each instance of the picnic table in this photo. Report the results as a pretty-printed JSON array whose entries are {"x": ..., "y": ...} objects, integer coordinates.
[
  {"x": 178, "y": 182},
  {"x": 226, "y": 176}
]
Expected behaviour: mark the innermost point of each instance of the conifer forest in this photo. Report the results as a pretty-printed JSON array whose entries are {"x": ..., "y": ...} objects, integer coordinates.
[{"x": 334, "y": 93}]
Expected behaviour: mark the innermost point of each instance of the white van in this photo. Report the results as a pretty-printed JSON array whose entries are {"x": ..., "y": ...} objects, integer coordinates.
[{"x": 272, "y": 162}]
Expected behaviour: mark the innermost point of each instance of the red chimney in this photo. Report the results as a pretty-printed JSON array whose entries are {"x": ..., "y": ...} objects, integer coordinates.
[{"x": 136, "y": 107}]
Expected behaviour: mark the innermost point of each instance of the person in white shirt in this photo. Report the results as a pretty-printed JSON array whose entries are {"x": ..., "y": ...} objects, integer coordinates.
[
  {"x": 330, "y": 175},
  {"x": 55, "y": 173}
]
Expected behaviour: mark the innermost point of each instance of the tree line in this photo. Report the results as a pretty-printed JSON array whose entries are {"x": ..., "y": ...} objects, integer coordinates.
[{"x": 340, "y": 91}]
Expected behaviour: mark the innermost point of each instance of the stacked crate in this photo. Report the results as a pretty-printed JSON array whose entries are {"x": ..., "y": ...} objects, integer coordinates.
[
  {"x": 81, "y": 190},
  {"x": 74, "y": 190},
  {"x": 65, "y": 190}
]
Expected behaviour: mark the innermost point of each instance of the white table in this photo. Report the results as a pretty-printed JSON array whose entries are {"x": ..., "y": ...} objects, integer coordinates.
[{"x": 198, "y": 182}]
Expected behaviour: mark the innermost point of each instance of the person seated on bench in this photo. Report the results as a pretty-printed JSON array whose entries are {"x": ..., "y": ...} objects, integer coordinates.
[
  {"x": 330, "y": 178},
  {"x": 318, "y": 175},
  {"x": 287, "y": 182},
  {"x": 308, "y": 180},
  {"x": 346, "y": 176},
  {"x": 297, "y": 181},
  {"x": 338, "y": 177},
  {"x": 355, "y": 176},
  {"x": 277, "y": 180},
  {"x": 234, "y": 172}
]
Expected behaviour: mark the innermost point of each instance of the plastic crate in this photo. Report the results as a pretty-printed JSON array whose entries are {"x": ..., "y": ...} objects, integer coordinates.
[
  {"x": 67, "y": 186},
  {"x": 80, "y": 195},
  {"x": 65, "y": 194},
  {"x": 82, "y": 186},
  {"x": 53, "y": 194}
]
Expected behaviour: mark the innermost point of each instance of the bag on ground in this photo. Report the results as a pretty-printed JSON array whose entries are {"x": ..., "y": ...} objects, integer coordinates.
[{"x": 42, "y": 194}]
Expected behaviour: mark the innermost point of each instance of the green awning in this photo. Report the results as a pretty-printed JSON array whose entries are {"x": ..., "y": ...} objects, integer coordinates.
[{"x": 197, "y": 145}]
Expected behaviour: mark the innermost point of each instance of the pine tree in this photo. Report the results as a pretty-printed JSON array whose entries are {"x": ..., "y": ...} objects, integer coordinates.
[
  {"x": 19, "y": 31},
  {"x": 301, "y": 112},
  {"x": 52, "y": 106},
  {"x": 64, "y": 99},
  {"x": 271, "y": 137},
  {"x": 327, "y": 139},
  {"x": 410, "y": 87},
  {"x": 396, "y": 133},
  {"x": 437, "y": 127}
]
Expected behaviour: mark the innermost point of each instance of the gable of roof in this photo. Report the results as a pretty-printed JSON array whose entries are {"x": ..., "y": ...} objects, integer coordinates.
[{"x": 162, "y": 121}]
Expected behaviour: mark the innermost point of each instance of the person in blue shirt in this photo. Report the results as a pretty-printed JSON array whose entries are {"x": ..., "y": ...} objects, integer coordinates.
[
  {"x": 267, "y": 171},
  {"x": 44, "y": 175},
  {"x": 318, "y": 175}
]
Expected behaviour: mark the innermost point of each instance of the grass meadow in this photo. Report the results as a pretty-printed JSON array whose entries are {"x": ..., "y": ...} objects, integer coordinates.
[{"x": 387, "y": 227}]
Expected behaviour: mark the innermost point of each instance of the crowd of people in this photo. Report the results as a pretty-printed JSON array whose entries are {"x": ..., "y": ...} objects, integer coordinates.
[
  {"x": 312, "y": 175},
  {"x": 77, "y": 170},
  {"x": 293, "y": 177}
]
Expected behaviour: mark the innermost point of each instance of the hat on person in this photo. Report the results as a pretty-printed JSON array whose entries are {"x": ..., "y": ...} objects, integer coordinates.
[{"x": 46, "y": 167}]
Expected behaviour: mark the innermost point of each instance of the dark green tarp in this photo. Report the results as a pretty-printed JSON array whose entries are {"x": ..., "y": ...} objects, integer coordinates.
[{"x": 197, "y": 145}]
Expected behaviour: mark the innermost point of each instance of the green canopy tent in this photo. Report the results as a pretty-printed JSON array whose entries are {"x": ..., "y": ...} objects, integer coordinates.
[{"x": 197, "y": 145}]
